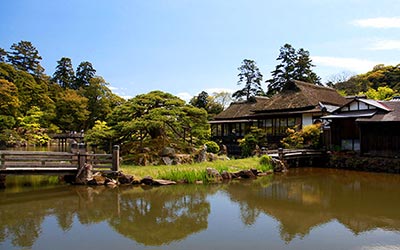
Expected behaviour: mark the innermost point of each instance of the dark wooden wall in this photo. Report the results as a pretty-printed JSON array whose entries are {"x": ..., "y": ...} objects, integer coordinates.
[{"x": 380, "y": 139}]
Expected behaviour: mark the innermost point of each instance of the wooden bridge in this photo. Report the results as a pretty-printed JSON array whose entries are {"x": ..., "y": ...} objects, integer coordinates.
[
  {"x": 63, "y": 138},
  {"x": 300, "y": 157},
  {"x": 37, "y": 162}
]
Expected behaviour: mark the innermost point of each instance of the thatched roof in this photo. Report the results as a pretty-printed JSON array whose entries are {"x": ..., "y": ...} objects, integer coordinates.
[{"x": 297, "y": 96}]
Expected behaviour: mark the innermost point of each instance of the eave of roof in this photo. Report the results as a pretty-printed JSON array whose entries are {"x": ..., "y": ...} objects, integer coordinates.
[{"x": 351, "y": 114}]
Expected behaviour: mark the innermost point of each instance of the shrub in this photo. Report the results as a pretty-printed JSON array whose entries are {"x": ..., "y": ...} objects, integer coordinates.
[
  {"x": 212, "y": 147},
  {"x": 250, "y": 141},
  {"x": 265, "y": 163},
  {"x": 308, "y": 137}
]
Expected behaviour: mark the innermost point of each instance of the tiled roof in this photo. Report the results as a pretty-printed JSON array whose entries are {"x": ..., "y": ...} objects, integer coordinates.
[{"x": 392, "y": 116}]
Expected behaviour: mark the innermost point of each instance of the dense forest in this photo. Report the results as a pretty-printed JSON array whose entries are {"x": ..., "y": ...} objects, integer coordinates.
[{"x": 35, "y": 105}]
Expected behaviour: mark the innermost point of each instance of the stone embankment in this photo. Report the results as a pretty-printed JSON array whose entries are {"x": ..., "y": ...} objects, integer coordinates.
[
  {"x": 363, "y": 163},
  {"x": 86, "y": 176}
]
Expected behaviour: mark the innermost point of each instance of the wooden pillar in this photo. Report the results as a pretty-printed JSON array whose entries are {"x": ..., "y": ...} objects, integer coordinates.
[
  {"x": 280, "y": 154},
  {"x": 2, "y": 181},
  {"x": 115, "y": 158}
]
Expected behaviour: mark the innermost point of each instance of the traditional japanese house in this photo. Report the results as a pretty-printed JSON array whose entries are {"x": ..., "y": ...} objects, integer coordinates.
[
  {"x": 299, "y": 104},
  {"x": 367, "y": 126}
]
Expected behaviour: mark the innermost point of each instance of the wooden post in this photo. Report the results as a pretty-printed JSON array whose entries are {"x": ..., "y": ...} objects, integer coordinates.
[
  {"x": 115, "y": 158},
  {"x": 3, "y": 161},
  {"x": 2, "y": 181},
  {"x": 280, "y": 154}
]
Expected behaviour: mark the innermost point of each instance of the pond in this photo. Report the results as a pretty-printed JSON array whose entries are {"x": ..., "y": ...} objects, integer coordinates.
[{"x": 303, "y": 209}]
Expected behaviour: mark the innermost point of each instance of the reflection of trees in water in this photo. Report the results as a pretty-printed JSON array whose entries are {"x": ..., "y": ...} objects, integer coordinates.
[
  {"x": 162, "y": 215},
  {"x": 306, "y": 198},
  {"x": 153, "y": 217}
]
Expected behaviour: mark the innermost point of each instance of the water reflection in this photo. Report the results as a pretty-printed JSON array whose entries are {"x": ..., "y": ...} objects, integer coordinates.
[
  {"x": 300, "y": 201},
  {"x": 162, "y": 215},
  {"x": 154, "y": 216},
  {"x": 304, "y": 199}
]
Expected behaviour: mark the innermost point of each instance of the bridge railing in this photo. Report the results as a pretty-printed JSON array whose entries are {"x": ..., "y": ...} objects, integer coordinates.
[{"x": 19, "y": 161}]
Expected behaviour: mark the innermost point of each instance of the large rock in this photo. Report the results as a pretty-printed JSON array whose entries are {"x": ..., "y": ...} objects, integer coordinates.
[
  {"x": 183, "y": 159},
  {"x": 167, "y": 160},
  {"x": 84, "y": 174},
  {"x": 125, "y": 179},
  {"x": 168, "y": 151},
  {"x": 163, "y": 182},
  {"x": 202, "y": 154},
  {"x": 278, "y": 165},
  {"x": 97, "y": 180},
  {"x": 245, "y": 174},
  {"x": 226, "y": 175},
  {"x": 213, "y": 173},
  {"x": 148, "y": 180}
]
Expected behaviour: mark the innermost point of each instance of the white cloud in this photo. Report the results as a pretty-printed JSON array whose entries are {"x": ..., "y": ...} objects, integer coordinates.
[
  {"x": 211, "y": 91},
  {"x": 185, "y": 96},
  {"x": 352, "y": 64},
  {"x": 385, "y": 45},
  {"x": 379, "y": 22}
]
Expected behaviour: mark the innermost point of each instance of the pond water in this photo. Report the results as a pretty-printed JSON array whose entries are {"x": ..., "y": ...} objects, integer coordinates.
[{"x": 303, "y": 209}]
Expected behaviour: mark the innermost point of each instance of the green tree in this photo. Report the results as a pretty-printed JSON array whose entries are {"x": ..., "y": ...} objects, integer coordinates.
[
  {"x": 307, "y": 137},
  {"x": 84, "y": 73},
  {"x": 3, "y": 55},
  {"x": 156, "y": 119},
  {"x": 64, "y": 74},
  {"x": 100, "y": 135},
  {"x": 72, "y": 110},
  {"x": 30, "y": 127},
  {"x": 303, "y": 67},
  {"x": 379, "y": 76},
  {"x": 293, "y": 66},
  {"x": 101, "y": 100},
  {"x": 204, "y": 101},
  {"x": 24, "y": 56},
  {"x": 31, "y": 91},
  {"x": 9, "y": 104},
  {"x": 382, "y": 93},
  {"x": 201, "y": 100},
  {"x": 256, "y": 137},
  {"x": 251, "y": 77}
]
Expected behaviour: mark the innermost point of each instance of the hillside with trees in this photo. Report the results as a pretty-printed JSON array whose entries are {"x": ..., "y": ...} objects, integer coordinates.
[
  {"x": 34, "y": 105},
  {"x": 381, "y": 83}
]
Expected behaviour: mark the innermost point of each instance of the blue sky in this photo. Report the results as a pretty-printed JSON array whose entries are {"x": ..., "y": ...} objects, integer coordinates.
[{"x": 185, "y": 46}]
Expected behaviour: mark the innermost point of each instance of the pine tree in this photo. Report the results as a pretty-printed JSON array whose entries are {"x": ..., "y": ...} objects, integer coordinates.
[
  {"x": 251, "y": 77},
  {"x": 64, "y": 74},
  {"x": 84, "y": 73},
  {"x": 295, "y": 65},
  {"x": 3, "y": 55},
  {"x": 24, "y": 56}
]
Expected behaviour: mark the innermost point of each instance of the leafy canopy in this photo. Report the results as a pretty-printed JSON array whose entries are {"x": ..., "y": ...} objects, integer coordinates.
[{"x": 158, "y": 116}]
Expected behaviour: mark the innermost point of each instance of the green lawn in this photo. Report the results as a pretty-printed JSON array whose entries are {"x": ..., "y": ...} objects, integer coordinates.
[{"x": 193, "y": 172}]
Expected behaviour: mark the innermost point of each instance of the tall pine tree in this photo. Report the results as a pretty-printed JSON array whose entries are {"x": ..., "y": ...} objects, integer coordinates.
[
  {"x": 64, "y": 74},
  {"x": 24, "y": 56},
  {"x": 294, "y": 65},
  {"x": 251, "y": 77},
  {"x": 84, "y": 73}
]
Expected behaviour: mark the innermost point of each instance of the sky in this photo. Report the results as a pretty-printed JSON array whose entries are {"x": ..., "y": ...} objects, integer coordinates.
[{"x": 187, "y": 46}]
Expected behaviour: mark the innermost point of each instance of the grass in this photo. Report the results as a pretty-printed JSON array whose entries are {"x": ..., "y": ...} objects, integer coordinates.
[{"x": 194, "y": 172}]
